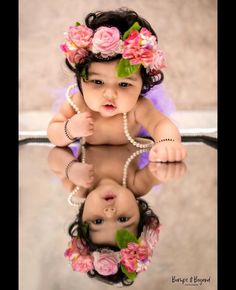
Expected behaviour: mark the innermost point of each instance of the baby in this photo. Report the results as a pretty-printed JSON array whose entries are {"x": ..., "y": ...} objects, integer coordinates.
[
  {"x": 115, "y": 58},
  {"x": 113, "y": 221},
  {"x": 94, "y": 164}
]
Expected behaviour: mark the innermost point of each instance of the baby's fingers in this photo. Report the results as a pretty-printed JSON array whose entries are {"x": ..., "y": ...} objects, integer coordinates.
[
  {"x": 158, "y": 155},
  {"x": 167, "y": 171},
  {"x": 87, "y": 115},
  {"x": 170, "y": 153}
]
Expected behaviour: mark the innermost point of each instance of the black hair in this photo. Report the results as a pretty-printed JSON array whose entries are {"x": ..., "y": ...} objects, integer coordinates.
[
  {"x": 76, "y": 230},
  {"x": 123, "y": 19}
]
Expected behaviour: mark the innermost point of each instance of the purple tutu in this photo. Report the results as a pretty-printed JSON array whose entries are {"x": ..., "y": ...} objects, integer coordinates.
[{"x": 161, "y": 101}]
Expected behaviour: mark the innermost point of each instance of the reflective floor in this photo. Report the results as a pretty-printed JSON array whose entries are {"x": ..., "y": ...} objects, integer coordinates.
[{"x": 183, "y": 196}]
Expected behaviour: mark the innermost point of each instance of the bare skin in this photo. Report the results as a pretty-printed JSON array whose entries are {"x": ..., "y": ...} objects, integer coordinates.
[
  {"x": 109, "y": 205},
  {"x": 108, "y": 162},
  {"x": 105, "y": 98},
  {"x": 116, "y": 208}
]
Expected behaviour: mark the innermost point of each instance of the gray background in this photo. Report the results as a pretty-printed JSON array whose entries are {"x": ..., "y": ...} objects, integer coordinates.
[{"x": 187, "y": 35}]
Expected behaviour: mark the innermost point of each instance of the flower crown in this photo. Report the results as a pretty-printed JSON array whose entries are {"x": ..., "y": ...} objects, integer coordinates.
[
  {"x": 137, "y": 46},
  {"x": 133, "y": 257}
]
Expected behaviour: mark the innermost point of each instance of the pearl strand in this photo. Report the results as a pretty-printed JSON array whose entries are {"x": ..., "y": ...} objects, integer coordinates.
[
  {"x": 127, "y": 163},
  {"x": 73, "y": 105},
  {"x": 132, "y": 141},
  {"x": 77, "y": 188},
  {"x": 68, "y": 97}
]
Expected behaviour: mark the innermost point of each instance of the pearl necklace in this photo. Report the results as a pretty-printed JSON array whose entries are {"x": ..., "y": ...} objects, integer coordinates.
[
  {"x": 125, "y": 122},
  {"x": 77, "y": 188},
  {"x": 124, "y": 178},
  {"x": 127, "y": 163}
]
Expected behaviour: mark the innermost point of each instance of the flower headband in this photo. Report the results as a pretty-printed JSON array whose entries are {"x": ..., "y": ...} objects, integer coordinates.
[
  {"x": 137, "y": 47},
  {"x": 133, "y": 257}
]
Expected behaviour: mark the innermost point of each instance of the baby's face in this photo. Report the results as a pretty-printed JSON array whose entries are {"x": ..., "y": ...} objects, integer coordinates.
[
  {"x": 108, "y": 94},
  {"x": 108, "y": 208}
]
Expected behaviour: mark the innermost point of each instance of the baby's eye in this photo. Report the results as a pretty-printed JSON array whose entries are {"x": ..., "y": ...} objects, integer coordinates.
[
  {"x": 124, "y": 85},
  {"x": 97, "y": 82},
  {"x": 123, "y": 219},
  {"x": 97, "y": 221}
]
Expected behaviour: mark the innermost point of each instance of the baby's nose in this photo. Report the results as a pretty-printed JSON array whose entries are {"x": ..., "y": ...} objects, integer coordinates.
[
  {"x": 109, "y": 94},
  {"x": 109, "y": 211}
]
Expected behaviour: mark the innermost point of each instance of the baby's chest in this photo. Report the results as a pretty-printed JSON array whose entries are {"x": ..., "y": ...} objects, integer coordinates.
[{"x": 111, "y": 131}]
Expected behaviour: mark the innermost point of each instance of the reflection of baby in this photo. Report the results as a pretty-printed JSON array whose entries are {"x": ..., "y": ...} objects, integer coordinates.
[
  {"x": 119, "y": 163},
  {"x": 112, "y": 223}
]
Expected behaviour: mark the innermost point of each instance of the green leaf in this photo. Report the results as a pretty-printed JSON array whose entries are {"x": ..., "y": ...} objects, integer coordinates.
[
  {"x": 77, "y": 24},
  {"x": 85, "y": 229},
  {"x": 123, "y": 237},
  {"x": 83, "y": 74},
  {"x": 125, "y": 69},
  {"x": 135, "y": 26},
  {"x": 130, "y": 275}
]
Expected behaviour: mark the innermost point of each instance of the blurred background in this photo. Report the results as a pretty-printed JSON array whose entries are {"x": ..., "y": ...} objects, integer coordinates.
[{"x": 187, "y": 35}]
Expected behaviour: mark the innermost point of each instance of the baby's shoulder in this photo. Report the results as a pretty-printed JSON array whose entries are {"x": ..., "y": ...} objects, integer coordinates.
[
  {"x": 144, "y": 110},
  {"x": 143, "y": 104}
]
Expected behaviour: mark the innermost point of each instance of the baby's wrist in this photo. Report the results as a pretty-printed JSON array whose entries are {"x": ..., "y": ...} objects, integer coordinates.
[
  {"x": 67, "y": 131},
  {"x": 68, "y": 167},
  {"x": 165, "y": 140}
]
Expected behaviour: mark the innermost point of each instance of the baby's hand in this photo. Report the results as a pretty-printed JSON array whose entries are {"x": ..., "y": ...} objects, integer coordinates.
[
  {"x": 81, "y": 174},
  {"x": 167, "y": 171},
  {"x": 168, "y": 151},
  {"x": 81, "y": 125}
]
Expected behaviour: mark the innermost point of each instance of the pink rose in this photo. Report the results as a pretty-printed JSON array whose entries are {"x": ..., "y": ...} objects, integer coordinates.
[
  {"x": 80, "y": 35},
  {"x": 73, "y": 54},
  {"x": 76, "y": 247},
  {"x": 158, "y": 61},
  {"x": 82, "y": 263},
  {"x": 130, "y": 263},
  {"x": 150, "y": 235},
  {"x": 81, "y": 247},
  {"x": 77, "y": 56},
  {"x": 132, "y": 255},
  {"x": 106, "y": 40},
  {"x": 133, "y": 39},
  {"x": 136, "y": 54},
  {"x": 106, "y": 262},
  {"x": 140, "y": 47},
  {"x": 72, "y": 248}
]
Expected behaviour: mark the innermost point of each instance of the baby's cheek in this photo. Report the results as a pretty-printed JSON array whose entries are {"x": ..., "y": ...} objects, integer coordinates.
[
  {"x": 127, "y": 104},
  {"x": 91, "y": 103}
]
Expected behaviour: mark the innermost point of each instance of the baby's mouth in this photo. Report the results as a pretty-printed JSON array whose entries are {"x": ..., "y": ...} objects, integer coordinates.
[
  {"x": 109, "y": 196},
  {"x": 109, "y": 107}
]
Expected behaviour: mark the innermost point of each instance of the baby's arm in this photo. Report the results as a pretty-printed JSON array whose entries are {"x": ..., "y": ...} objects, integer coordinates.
[
  {"x": 155, "y": 174},
  {"x": 61, "y": 162},
  {"x": 78, "y": 125},
  {"x": 168, "y": 147}
]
